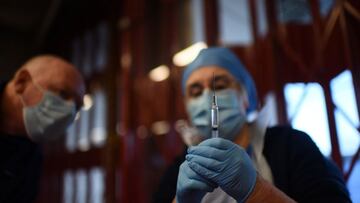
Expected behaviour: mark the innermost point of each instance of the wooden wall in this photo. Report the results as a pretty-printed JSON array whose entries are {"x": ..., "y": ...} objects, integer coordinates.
[{"x": 143, "y": 34}]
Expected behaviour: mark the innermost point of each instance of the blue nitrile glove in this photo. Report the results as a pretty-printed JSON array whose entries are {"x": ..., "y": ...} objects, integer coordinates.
[
  {"x": 190, "y": 186},
  {"x": 226, "y": 164}
]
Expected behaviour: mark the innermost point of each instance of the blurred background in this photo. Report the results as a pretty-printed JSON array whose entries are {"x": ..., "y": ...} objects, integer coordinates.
[{"x": 303, "y": 54}]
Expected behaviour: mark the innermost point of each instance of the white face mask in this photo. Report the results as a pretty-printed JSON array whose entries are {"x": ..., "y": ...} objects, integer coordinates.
[
  {"x": 231, "y": 116},
  {"x": 190, "y": 135},
  {"x": 49, "y": 118}
]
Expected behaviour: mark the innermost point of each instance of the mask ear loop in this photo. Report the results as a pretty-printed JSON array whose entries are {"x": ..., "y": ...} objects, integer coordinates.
[
  {"x": 24, "y": 114},
  {"x": 41, "y": 89},
  {"x": 22, "y": 100}
]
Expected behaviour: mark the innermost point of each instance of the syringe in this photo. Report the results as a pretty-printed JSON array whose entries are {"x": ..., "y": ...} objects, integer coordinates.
[{"x": 214, "y": 113}]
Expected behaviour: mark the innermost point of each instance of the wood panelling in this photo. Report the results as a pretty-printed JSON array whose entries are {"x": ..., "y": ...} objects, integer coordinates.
[{"x": 146, "y": 34}]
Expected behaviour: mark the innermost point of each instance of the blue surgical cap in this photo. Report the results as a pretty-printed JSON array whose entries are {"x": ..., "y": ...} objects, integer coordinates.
[{"x": 224, "y": 58}]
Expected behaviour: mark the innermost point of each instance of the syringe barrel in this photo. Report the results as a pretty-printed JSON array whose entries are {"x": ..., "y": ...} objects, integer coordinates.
[{"x": 214, "y": 117}]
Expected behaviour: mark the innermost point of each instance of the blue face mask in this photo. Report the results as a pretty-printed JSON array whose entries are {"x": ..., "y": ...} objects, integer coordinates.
[
  {"x": 49, "y": 118},
  {"x": 231, "y": 115}
]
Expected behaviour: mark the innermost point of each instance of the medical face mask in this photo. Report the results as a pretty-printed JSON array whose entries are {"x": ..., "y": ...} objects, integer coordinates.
[
  {"x": 231, "y": 115},
  {"x": 49, "y": 118},
  {"x": 189, "y": 134}
]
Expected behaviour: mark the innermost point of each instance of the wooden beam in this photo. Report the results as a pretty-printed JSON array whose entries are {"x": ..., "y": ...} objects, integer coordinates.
[
  {"x": 353, "y": 42},
  {"x": 317, "y": 27},
  {"x": 211, "y": 22},
  {"x": 46, "y": 23},
  {"x": 330, "y": 109},
  {"x": 274, "y": 31}
]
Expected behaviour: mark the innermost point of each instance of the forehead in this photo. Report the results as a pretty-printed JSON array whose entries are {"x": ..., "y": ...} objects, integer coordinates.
[
  {"x": 204, "y": 74},
  {"x": 62, "y": 79}
]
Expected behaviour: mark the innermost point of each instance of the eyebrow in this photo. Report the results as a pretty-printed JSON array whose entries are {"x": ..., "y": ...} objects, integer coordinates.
[{"x": 221, "y": 78}]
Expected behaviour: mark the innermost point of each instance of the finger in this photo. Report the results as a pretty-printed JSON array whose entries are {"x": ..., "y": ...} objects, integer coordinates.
[
  {"x": 192, "y": 175},
  {"x": 197, "y": 185},
  {"x": 209, "y": 152},
  {"x": 211, "y": 164},
  {"x": 203, "y": 172},
  {"x": 218, "y": 143}
]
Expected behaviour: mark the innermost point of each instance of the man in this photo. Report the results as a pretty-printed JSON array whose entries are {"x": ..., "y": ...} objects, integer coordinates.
[
  {"x": 37, "y": 105},
  {"x": 249, "y": 162}
]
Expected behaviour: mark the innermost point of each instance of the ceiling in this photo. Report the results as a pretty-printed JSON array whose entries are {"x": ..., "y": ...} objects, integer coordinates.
[{"x": 23, "y": 28}]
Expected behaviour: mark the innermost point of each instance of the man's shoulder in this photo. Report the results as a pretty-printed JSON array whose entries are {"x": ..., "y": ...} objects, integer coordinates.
[
  {"x": 291, "y": 154},
  {"x": 16, "y": 144},
  {"x": 285, "y": 140},
  {"x": 278, "y": 135},
  {"x": 284, "y": 133},
  {"x": 282, "y": 130}
]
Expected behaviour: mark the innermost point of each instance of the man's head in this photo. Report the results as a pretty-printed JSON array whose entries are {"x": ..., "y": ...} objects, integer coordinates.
[
  {"x": 233, "y": 85},
  {"x": 225, "y": 59},
  {"x": 45, "y": 85}
]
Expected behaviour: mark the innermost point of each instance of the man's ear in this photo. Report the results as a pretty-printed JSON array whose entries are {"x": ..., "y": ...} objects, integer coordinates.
[{"x": 21, "y": 80}]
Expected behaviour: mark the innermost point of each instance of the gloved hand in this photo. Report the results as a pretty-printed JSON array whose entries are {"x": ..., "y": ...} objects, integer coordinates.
[
  {"x": 226, "y": 164},
  {"x": 190, "y": 186}
]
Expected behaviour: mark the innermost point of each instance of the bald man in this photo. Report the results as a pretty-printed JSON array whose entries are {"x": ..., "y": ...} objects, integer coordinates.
[{"x": 37, "y": 105}]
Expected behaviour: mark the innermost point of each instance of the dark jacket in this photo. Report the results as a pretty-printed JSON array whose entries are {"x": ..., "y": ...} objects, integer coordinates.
[
  {"x": 20, "y": 166},
  {"x": 298, "y": 168}
]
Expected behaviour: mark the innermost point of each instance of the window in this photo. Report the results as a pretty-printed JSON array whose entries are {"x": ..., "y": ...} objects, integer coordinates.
[
  {"x": 197, "y": 13},
  {"x": 81, "y": 186},
  {"x": 68, "y": 190},
  {"x": 98, "y": 131},
  {"x": 83, "y": 142},
  {"x": 261, "y": 17},
  {"x": 97, "y": 185},
  {"x": 299, "y": 11},
  {"x": 346, "y": 113},
  {"x": 102, "y": 48},
  {"x": 306, "y": 110},
  {"x": 234, "y": 22},
  {"x": 70, "y": 139}
]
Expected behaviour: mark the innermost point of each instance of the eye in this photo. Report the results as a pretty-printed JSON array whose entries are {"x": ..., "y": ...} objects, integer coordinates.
[
  {"x": 195, "y": 90},
  {"x": 222, "y": 82}
]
